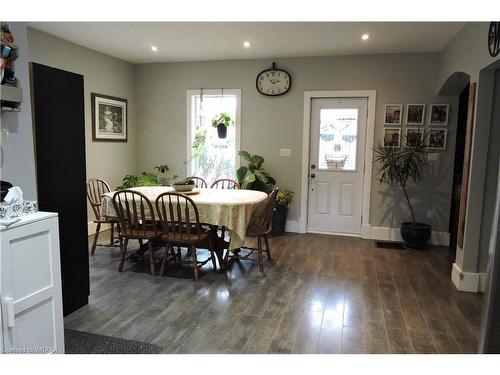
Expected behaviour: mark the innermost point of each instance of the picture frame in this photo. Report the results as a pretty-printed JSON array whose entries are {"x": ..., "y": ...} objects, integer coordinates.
[
  {"x": 392, "y": 114},
  {"x": 392, "y": 137},
  {"x": 415, "y": 114},
  {"x": 413, "y": 135},
  {"x": 437, "y": 139},
  {"x": 439, "y": 114},
  {"x": 109, "y": 118}
]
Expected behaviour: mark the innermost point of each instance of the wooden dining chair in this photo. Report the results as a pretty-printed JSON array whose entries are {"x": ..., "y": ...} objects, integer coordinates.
[
  {"x": 137, "y": 221},
  {"x": 180, "y": 222},
  {"x": 95, "y": 190},
  {"x": 225, "y": 183},
  {"x": 198, "y": 182},
  {"x": 259, "y": 227}
]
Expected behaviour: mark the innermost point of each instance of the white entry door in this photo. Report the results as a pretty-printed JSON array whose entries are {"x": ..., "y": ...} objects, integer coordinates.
[{"x": 336, "y": 165}]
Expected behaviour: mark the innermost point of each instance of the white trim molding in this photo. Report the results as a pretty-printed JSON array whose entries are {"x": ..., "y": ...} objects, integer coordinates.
[
  {"x": 371, "y": 95},
  {"x": 482, "y": 281},
  {"x": 465, "y": 281},
  {"x": 394, "y": 234}
]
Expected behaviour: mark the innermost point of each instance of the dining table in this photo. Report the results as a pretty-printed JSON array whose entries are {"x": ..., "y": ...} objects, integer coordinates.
[{"x": 228, "y": 208}]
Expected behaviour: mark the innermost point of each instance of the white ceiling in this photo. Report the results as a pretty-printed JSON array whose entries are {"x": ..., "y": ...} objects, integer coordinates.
[{"x": 196, "y": 41}]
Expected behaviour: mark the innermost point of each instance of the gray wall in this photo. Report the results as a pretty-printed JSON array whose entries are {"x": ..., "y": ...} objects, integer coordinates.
[
  {"x": 102, "y": 74},
  {"x": 467, "y": 52},
  {"x": 17, "y": 163},
  {"x": 490, "y": 187},
  {"x": 269, "y": 124}
]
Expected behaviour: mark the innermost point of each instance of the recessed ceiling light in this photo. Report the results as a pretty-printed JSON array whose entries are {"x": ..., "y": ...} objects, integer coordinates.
[
  {"x": 154, "y": 48},
  {"x": 365, "y": 36},
  {"x": 246, "y": 44}
]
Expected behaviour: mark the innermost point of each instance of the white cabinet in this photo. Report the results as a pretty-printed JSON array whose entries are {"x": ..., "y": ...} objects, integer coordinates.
[{"x": 30, "y": 286}]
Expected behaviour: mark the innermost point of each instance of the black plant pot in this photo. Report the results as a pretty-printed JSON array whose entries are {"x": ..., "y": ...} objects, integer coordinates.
[
  {"x": 258, "y": 186},
  {"x": 222, "y": 130},
  {"x": 279, "y": 219},
  {"x": 415, "y": 235}
]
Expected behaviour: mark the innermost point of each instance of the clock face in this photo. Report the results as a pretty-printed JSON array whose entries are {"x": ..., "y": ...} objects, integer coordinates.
[{"x": 273, "y": 82}]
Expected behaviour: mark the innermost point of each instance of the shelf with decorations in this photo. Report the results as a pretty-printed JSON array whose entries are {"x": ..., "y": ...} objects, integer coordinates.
[{"x": 11, "y": 95}]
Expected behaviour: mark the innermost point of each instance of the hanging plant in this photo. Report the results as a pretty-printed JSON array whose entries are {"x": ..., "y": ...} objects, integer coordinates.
[
  {"x": 222, "y": 121},
  {"x": 200, "y": 136}
]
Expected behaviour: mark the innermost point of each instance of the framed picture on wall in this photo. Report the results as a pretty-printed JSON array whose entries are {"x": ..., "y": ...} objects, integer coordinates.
[
  {"x": 413, "y": 136},
  {"x": 392, "y": 114},
  {"x": 415, "y": 114},
  {"x": 437, "y": 139},
  {"x": 392, "y": 137},
  {"x": 109, "y": 118},
  {"x": 439, "y": 114}
]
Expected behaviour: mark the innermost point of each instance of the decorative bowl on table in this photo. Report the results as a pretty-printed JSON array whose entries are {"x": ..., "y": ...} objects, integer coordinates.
[{"x": 183, "y": 185}]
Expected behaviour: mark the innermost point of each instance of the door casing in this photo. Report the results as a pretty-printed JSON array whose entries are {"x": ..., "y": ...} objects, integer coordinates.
[{"x": 371, "y": 96}]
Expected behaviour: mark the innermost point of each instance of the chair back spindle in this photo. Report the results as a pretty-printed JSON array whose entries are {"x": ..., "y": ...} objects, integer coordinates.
[
  {"x": 225, "y": 183},
  {"x": 178, "y": 216},
  {"x": 135, "y": 212},
  {"x": 95, "y": 189},
  {"x": 198, "y": 182},
  {"x": 260, "y": 223}
]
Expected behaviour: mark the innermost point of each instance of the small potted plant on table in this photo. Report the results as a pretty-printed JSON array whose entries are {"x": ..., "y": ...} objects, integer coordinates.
[
  {"x": 399, "y": 166},
  {"x": 280, "y": 211},
  {"x": 222, "y": 122}
]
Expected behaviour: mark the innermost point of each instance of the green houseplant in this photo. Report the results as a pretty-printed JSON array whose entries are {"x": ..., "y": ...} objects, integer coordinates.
[
  {"x": 399, "y": 166},
  {"x": 144, "y": 179},
  {"x": 222, "y": 121},
  {"x": 148, "y": 178},
  {"x": 254, "y": 177},
  {"x": 283, "y": 199}
]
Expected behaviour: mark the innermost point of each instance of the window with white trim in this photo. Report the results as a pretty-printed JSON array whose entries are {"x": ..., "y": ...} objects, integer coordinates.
[{"x": 209, "y": 156}]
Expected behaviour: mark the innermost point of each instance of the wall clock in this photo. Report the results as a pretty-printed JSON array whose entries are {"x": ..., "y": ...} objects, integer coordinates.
[
  {"x": 494, "y": 39},
  {"x": 273, "y": 82}
]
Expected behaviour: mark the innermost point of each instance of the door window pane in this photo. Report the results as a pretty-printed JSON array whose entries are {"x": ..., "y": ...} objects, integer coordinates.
[{"x": 338, "y": 139}]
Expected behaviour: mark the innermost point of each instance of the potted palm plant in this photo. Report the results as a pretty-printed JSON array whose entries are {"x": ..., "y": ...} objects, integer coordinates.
[
  {"x": 222, "y": 121},
  {"x": 400, "y": 166},
  {"x": 254, "y": 177}
]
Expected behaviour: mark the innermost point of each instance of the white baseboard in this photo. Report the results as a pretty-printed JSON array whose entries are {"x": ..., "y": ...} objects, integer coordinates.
[
  {"x": 292, "y": 226},
  {"x": 295, "y": 226},
  {"x": 374, "y": 233},
  {"x": 482, "y": 281},
  {"x": 465, "y": 281},
  {"x": 366, "y": 231},
  {"x": 394, "y": 234}
]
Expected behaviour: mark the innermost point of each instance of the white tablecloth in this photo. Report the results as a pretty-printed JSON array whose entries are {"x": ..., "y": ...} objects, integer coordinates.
[{"x": 231, "y": 208}]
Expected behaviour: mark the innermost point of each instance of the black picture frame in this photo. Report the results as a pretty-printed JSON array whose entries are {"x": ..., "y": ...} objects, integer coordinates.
[{"x": 111, "y": 101}]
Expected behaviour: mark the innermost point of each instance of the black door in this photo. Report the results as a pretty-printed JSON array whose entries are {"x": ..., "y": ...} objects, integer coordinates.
[
  {"x": 59, "y": 132},
  {"x": 458, "y": 171}
]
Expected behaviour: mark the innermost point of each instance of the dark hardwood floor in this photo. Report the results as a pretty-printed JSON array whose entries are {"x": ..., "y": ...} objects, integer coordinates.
[{"x": 320, "y": 294}]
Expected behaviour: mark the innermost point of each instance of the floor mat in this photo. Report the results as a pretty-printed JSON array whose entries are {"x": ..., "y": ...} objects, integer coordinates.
[{"x": 77, "y": 342}]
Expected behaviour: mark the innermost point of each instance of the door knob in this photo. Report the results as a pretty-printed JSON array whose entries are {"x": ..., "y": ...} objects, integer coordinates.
[
  {"x": 313, "y": 166},
  {"x": 313, "y": 175}
]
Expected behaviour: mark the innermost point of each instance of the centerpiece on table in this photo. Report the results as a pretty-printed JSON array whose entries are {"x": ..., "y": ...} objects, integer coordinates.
[{"x": 184, "y": 185}]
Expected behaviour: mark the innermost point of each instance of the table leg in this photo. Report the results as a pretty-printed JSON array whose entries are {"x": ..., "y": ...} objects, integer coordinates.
[{"x": 220, "y": 246}]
